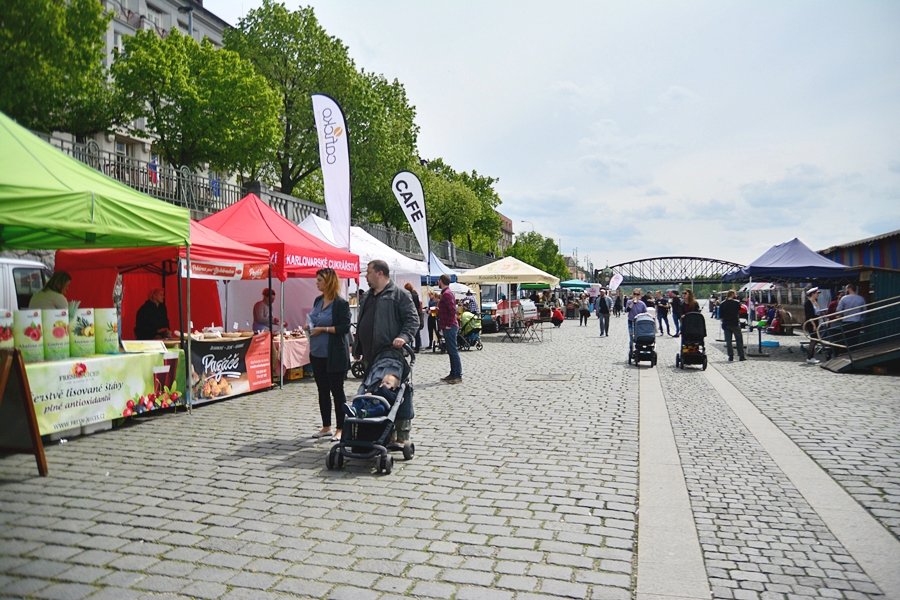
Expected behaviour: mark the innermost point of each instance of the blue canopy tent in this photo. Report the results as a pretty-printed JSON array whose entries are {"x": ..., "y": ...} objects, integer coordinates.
[
  {"x": 790, "y": 260},
  {"x": 575, "y": 283},
  {"x": 437, "y": 269}
]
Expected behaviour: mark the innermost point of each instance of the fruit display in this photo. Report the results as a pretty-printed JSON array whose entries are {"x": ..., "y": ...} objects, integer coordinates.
[{"x": 142, "y": 403}]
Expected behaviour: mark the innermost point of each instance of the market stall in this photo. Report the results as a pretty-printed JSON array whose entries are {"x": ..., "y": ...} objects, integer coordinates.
[
  {"x": 294, "y": 254},
  {"x": 50, "y": 201},
  {"x": 223, "y": 365}
]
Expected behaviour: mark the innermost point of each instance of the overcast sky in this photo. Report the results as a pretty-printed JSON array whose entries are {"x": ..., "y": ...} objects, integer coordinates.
[{"x": 627, "y": 129}]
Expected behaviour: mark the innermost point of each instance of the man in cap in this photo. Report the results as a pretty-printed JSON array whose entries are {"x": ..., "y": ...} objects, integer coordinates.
[
  {"x": 851, "y": 323},
  {"x": 811, "y": 311}
]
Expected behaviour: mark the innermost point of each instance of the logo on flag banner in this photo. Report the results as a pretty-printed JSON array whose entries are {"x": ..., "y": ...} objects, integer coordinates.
[
  {"x": 408, "y": 190},
  {"x": 334, "y": 156},
  {"x": 615, "y": 282}
]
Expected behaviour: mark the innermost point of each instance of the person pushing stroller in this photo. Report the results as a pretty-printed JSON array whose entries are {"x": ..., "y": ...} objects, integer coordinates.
[{"x": 387, "y": 321}]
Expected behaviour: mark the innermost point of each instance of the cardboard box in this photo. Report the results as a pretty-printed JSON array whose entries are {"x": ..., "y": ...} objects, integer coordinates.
[{"x": 293, "y": 374}]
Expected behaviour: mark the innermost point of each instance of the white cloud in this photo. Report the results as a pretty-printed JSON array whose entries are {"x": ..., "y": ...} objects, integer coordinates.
[{"x": 630, "y": 129}]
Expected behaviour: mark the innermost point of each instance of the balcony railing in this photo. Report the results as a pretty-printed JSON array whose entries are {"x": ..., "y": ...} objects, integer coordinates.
[{"x": 205, "y": 195}]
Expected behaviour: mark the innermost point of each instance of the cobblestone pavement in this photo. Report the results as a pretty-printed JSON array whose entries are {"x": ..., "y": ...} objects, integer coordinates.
[{"x": 519, "y": 489}]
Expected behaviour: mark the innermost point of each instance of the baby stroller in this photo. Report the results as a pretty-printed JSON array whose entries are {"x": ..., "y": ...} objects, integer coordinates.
[
  {"x": 693, "y": 346},
  {"x": 357, "y": 367},
  {"x": 644, "y": 340},
  {"x": 378, "y": 418},
  {"x": 469, "y": 331}
]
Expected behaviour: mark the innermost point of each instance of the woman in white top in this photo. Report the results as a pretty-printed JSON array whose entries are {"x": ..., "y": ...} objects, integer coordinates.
[{"x": 53, "y": 294}]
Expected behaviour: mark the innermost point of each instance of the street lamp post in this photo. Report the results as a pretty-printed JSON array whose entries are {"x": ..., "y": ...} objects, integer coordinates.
[
  {"x": 189, "y": 9},
  {"x": 530, "y": 223}
]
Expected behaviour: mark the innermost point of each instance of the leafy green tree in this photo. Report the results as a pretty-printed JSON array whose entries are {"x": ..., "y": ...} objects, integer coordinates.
[
  {"x": 298, "y": 58},
  {"x": 201, "y": 104},
  {"x": 52, "y": 73},
  {"x": 540, "y": 252},
  {"x": 383, "y": 136}
]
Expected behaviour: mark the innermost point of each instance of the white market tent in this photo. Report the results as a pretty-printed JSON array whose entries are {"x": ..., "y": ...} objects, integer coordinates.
[
  {"x": 508, "y": 270},
  {"x": 403, "y": 268}
]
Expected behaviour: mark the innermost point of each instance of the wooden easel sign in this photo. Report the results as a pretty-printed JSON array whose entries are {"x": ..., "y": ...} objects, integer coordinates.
[{"x": 18, "y": 424}]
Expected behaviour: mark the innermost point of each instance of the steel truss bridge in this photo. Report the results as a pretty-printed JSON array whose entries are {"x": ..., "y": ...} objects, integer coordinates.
[{"x": 673, "y": 269}]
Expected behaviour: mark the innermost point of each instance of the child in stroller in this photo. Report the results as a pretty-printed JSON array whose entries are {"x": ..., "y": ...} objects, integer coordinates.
[
  {"x": 469, "y": 331},
  {"x": 379, "y": 417},
  {"x": 468, "y": 336},
  {"x": 693, "y": 345},
  {"x": 644, "y": 340}
]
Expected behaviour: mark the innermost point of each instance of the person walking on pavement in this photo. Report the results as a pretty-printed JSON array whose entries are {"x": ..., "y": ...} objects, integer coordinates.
[
  {"x": 662, "y": 312},
  {"x": 617, "y": 305},
  {"x": 730, "y": 314},
  {"x": 449, "y": 326},
  {"x": 635, "y": 307},
  {"x": 676, "y": 306},
  {"x": 584, "y": 311},
  {"x": 604, "y": 306}
]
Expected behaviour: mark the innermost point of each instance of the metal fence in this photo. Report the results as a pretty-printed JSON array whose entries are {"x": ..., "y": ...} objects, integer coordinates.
[{"x": 205, "y": 195}]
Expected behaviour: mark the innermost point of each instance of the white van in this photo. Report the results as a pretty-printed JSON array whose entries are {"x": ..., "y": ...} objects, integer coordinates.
[{"x": 19, "y": 280}]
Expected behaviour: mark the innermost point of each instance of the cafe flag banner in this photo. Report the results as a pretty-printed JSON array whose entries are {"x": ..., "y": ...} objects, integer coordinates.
[
  {"x": 615, "y": 282},
  {"x": 408, "y": 190},
  {"x": 334, "y": 156}
]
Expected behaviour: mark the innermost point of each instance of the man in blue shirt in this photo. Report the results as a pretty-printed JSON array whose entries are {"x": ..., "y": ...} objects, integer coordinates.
[{"x": 851, "y": 322}]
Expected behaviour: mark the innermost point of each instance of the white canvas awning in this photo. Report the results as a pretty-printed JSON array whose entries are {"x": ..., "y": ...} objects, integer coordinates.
[{"x": 508, "y": 270}]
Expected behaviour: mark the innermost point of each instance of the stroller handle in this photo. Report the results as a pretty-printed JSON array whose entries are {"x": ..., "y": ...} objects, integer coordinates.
[{"x": 408, "y": 351}]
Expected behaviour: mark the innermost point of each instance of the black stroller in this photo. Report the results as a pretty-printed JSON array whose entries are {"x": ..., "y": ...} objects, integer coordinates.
[
  {"x": 644, "y": 340},
  {"x": 377, "y": 420},
  {"x": 693, "y": 345}
]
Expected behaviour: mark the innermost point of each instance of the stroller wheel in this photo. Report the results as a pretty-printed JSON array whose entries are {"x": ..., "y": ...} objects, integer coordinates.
[
  {"x": 704, "y": 363},
  {"x": 677, "y": 360},
  {"x": 335, "y": 459},
  {"x": 386, "y": 464},
  {"x": 409, "y": 450},
  {"x": 358, "y": 369},
  {"x": 479, "y": 345}
]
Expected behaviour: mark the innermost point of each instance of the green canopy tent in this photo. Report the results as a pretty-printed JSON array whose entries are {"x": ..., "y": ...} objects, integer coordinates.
[{"x": 51, "y": 201}]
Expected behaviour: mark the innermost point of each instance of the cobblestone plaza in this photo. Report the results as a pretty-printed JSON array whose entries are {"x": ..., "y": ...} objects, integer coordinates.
[{"x": 555, "y": 470}]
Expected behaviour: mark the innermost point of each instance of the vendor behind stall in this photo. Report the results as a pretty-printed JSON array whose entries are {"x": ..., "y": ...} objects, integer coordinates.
[
  {"x": 262, "y": 309},
  {"x": 53, "y": 295},
  {"x": 152, "y": 321}
]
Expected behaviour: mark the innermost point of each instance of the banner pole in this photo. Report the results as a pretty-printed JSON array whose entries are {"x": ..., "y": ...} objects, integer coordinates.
[{"x": 190, "y": 362}]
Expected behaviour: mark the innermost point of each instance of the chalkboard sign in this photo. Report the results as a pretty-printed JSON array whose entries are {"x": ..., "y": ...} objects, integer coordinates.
[{"x": 18, "y": 424}]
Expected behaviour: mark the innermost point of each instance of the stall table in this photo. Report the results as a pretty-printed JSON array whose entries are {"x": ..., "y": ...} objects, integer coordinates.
[{"x": 296, "y": 352}]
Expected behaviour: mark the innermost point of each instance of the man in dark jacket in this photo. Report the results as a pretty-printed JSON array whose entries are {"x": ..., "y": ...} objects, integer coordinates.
[
  {"x": 387, "y": 321},
  {"x": 449, "y": 326},
  {"x": 730, "y": 313},
  {"x": 677, "y": 307}
]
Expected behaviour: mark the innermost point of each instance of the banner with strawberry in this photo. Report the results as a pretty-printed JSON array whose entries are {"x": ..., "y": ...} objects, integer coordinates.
[
  {"x": 28, "y": 334},
  {"x": 82, "y": 391}
]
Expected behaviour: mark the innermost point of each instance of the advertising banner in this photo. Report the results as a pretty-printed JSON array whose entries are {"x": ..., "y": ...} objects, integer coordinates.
[
  {"x": 6, "y": 330},
  {"x": 28, "y": 334},
  {"x": 106, "y": 330},
  {"x": 56, "y": 333},
  {"x": 216, "y": 270},
  {"x": 81, "y": 391},
  {"x": 409, "y": 193},
  {"x": 334, "y": 156},
  {"x": 230, "y": 366}
]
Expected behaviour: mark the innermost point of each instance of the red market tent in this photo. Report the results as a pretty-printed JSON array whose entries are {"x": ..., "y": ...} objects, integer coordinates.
[
  {"x": 213, "y": 257},
  {"x": 294, "y": 252}
]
